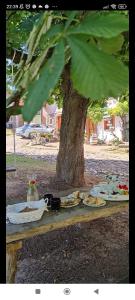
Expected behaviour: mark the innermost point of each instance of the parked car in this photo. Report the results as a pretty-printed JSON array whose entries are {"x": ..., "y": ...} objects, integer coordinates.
[
  {"x": 21, "y": 129},
  {"x": 27, "y": 130}
]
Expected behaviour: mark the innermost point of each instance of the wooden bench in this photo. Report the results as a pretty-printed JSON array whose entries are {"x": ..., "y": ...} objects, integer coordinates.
[
  {"x": 10, "y": 169},
  {"x": 52, "y": 221}
]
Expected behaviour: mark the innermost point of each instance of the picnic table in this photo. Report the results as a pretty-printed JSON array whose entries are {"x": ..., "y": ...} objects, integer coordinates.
[{"x": 52, "y": 221}]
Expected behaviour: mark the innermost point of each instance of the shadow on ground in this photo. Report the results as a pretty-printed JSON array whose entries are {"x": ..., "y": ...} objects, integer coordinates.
[{"x": 93, "y": 252}]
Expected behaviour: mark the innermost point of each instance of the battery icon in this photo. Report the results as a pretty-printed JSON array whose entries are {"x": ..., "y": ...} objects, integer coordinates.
[{"x": 122, "y": 6}]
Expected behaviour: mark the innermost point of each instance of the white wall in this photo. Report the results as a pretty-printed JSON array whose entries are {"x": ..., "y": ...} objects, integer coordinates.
[
  {"x": 118, "y": 127},
  {"x": 101, "y": 133},
  {"x": 100, "y": 130}
]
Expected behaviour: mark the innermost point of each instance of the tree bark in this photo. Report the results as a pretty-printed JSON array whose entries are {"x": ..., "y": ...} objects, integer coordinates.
[{"x": 70, "y": 160}]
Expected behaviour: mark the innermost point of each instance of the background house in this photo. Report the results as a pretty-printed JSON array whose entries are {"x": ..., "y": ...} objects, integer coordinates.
[{"x": 51, "y": 115}]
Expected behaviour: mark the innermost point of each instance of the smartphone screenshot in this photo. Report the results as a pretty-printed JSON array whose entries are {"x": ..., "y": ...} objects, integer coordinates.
[{"x": 67, "y": 150}]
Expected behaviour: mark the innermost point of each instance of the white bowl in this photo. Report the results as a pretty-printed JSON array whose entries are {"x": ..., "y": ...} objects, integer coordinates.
[{"x": 16, "y": 217}]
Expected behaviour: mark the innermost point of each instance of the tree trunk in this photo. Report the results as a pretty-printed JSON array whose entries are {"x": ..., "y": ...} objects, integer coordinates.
[
  {"x": 124, "y": 128},
  {"x": 70, "y": 160}
]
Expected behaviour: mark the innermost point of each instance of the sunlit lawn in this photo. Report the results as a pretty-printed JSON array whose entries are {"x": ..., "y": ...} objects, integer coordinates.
[
  {"x": 29, "y": 163},
  {"x": 9, "y": 131}
]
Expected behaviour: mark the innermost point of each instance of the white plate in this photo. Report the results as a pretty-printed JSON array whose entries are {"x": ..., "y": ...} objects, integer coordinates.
[
  {"x": 101, "y": 183},
  {"x": 71, "y": 205},
  {"x": 65, "y": 206},
  {"x": 95, "y": 192}
]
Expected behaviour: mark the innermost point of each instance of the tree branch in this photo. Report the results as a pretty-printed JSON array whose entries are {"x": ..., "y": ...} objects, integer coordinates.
[
  {"x": 15, "y": 97},
  {"x": 13, "y": 13},
  {"x": 10, "y": 53}
]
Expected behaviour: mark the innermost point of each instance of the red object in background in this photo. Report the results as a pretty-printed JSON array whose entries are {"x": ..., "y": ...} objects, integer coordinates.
[
  {"x": 107, "y": 124},
  {"x": 90, "y": 127},
  {"x": 43, "y": 116},
  {"x": 32, "y": 181},
  {"x": 59, "y": 121},
  {"x": 123, "y": 187}
]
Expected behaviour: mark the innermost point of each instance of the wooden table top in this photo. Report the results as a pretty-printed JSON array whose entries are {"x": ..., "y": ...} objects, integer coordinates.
[{"x": 64, "y": 217}]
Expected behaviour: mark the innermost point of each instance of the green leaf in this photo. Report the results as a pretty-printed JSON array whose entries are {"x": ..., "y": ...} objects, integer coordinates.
[
  {"x": 54, "y": 30},
  {"x": 112, "y": 45},
  {"x": 96, "y": 74},
  {"x": 70, "y": 18},
  {"x": 38, "y": 30},
  {"x": 25, "y": 75},
  {"x": 121, "y": 109},
  {"x": 40, "y": 90},
  {"x": 27, "y": 23},
  {"x": 13, "y": 111},
  {"x": 106, "y": 26}
]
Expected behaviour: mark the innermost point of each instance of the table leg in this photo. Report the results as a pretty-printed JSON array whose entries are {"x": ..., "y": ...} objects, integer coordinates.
[{"x": 11, "y": 260}]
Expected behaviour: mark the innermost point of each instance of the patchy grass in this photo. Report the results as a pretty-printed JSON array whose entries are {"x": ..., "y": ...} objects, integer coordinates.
[
  {"x": 9, "y": 131},
  {"x": 17, "y": 182},
  {"x": 27, "y": 163}
]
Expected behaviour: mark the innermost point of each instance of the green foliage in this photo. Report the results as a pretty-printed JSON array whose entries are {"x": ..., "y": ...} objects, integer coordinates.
[
  {"x": 27, "y": 23},
  {"x": 71, "y": 16},
  {"x": 53, "y": 31},
  {"x": 111, "y": 45},
  {"x": 96, "y": 113},
  {"x": 13, "y": 111},
  {"x": 41, "y": 89},
  {"x": 96, "y": 74},
  {"x": 121, "y": 109},
  {"x": 38, "y": 30},
  {"x": 106, "y": 26},
  {"x": 56, "y": 96},
  {"x": 25, "y": 75},
  {"x": 16, "y": 35}
]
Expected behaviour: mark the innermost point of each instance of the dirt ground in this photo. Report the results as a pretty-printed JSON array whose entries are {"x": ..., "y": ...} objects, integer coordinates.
[
  {"x": 93, "y": 252},
  {"x": 25, "y": 147}
]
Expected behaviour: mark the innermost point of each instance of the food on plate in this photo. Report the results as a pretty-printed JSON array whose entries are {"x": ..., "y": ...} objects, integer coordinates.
[
  {"x": 83, "y": 195},
  {"x": 71, "y": 198},
  {"x": 65, "y": 201},
  {"x": 69, "y": 203},
  {"x": 123, "y": 189},
  {"x": 125, "y": 192},
  {"x": 27, "y": 209},
  {"x": 114, "y": 193},
  {"x": 98, "y": 201},
  {"x": 90, "y": 200},
  {"x": 76, "y": 194},
  {"x": 94, "y": 201}
]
